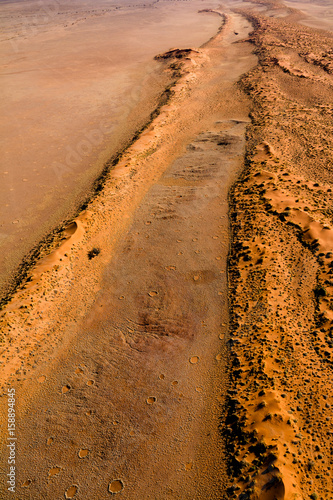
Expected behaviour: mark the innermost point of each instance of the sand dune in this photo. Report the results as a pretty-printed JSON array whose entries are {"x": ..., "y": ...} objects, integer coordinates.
[
  {"x": 78, "y": 80},
  {"x": 119, "y": 354},
  {"x": 279, "y": 421},
  {"x": 152, "y": 354}
]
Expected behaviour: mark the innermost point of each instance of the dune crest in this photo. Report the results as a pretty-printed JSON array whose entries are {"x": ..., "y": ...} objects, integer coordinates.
[{"x": 279, "y": 417}]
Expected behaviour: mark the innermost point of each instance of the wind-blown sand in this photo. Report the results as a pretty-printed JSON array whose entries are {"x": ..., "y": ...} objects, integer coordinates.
[{"x": 130, "y": 378}]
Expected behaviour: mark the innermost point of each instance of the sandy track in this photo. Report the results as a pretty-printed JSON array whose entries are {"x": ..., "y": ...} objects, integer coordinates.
[{"x": 119, "y": 361}]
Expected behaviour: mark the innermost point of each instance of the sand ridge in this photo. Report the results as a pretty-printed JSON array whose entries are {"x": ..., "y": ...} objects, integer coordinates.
[
  {"x": 78, "y": 80},
  {"x": 279, "y": 419},
  {"x": 115, "y": 189},
  {"x": 120, "y": 351}
]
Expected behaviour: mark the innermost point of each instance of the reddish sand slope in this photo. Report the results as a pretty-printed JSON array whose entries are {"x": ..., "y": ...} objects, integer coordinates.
[{"x": 118, "y": 361}]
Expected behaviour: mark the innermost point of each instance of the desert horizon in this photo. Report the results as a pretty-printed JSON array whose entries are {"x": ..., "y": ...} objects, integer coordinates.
[{"x": 166, "y": 250}]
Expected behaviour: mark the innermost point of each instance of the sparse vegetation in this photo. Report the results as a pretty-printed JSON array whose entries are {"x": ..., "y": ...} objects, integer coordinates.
[{"x": 93, "y": 253}]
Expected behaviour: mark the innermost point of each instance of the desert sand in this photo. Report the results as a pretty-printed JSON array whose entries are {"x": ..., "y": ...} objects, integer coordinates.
[
  {"x": 78, "y": 80},
  {"x": 173, "y": 339}
]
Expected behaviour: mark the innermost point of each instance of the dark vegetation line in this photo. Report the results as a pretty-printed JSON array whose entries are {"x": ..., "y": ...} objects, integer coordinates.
[{"x": 233, "y": 419}]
